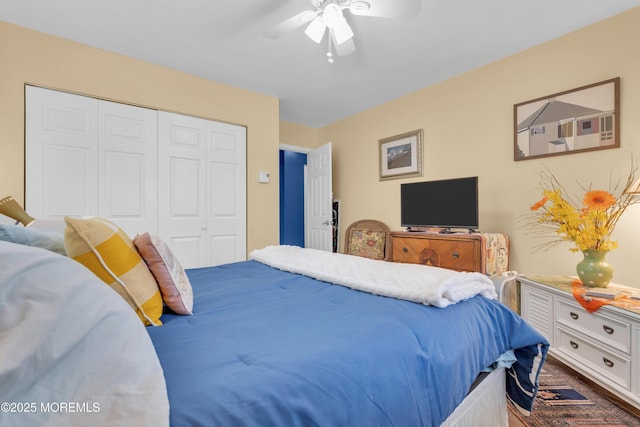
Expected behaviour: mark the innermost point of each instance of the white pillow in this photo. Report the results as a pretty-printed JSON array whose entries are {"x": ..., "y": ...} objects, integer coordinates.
[
  {"x": 66, "y": 337},
  {"x": 57, "y": 225},
  {"x": 50, "y": 240}
]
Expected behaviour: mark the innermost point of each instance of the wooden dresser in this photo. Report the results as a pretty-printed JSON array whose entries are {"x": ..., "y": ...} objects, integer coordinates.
[{"x": 486, "y": 253}]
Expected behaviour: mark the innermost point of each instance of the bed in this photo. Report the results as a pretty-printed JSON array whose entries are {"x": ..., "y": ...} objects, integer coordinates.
[{"x": 274, "y": 342}]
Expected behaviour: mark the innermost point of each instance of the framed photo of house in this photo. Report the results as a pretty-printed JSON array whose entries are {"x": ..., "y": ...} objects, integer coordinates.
[
  {"x": 400, "y": 156},
  {"x": 582, "y": 119}
]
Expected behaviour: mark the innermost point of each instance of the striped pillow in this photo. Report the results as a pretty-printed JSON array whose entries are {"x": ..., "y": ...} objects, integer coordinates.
[{"x": 109, "y": 253}]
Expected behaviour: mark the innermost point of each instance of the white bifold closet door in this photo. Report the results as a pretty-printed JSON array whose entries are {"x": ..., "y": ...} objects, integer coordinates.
[
  {"x": 202, "y": 181},
  {"x": 86, "y": 157},
  {"x": 144, "y": 170}
]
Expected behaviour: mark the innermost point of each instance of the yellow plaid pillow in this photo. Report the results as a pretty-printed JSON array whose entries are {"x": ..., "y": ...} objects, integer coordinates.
[{"x": 109, "y": 253}]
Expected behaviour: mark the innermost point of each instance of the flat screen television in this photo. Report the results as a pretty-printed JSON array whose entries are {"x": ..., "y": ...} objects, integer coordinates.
[{"x": 446, "y": 203}]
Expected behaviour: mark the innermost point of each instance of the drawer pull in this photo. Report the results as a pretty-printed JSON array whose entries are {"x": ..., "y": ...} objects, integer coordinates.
[
  {"x": 573, "y": 315},
  {"x": 607, "y": 329},
  {"x": 456, "y": 255},
  {"x": 607, "y": 362},
  {"x": 405, "y": 250},
  {"x": 574, "y": 344}
]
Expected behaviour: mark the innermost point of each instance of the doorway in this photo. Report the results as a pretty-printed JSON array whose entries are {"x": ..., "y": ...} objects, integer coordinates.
[
  {"x": 292, "y": 197},
  {"x": 311, "y": 198}
]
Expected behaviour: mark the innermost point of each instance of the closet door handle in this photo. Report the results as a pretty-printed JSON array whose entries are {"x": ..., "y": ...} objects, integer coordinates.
[
  {"x": 608, "y": 329},
  {"x": 573, "y": 315},
  {"x": 574, "y": 345},
  {"x": 607, "y": 362}
]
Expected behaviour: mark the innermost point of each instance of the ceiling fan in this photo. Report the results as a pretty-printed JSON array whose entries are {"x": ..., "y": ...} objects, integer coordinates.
[{"x": 328, "y": 17}]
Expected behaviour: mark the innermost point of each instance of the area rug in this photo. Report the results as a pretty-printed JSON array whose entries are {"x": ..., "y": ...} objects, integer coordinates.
[{"x": 565, "y": 400}]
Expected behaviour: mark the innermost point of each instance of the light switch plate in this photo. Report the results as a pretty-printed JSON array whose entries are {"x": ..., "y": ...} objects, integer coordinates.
[{"x": 263, "y": 177}]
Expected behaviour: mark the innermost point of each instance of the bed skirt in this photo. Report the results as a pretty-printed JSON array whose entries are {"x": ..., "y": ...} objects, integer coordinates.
[{"x": 486, "y": 402}]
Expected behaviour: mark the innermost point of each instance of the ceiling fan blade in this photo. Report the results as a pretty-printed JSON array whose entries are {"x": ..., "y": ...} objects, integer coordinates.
[
  {"x": 345, "y": 48},
  {"x": 316, "y": 29},
  {"x": 292, "y": 23},
  {"x": 386, "y": 8}
]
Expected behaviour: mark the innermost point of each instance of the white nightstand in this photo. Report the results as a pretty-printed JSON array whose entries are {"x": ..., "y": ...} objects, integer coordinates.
[{"x": 603, "y": 346}]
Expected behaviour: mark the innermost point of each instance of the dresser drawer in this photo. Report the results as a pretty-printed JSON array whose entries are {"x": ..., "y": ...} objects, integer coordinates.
[
  {"x": 612, "y": 367},
  {"x": 461, "y": 255},
  {"x": 612, "y": 332}
]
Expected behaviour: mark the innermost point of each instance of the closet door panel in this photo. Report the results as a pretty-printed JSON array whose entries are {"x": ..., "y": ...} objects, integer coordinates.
[
  {"x": 227, "y": 183},
  {"x": 225, "y": 249},
  {"x": 67, "y": 184},
  {"x": 61, "y": 141},
  {"x": 128, "y": 156},
  {"x": 182, "y": 187}
]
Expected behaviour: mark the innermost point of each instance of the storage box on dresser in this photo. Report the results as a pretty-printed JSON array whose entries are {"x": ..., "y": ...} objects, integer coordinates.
[
  {"x": 603, "y": 345},
  {"x": 486, "y": 253}
]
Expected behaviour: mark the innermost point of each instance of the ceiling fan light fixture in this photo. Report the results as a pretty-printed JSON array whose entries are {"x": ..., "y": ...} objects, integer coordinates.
[
  {"x": 315, "y": 30},
  {"x": 332, "y": 15},
  {"x": 342, "y": 32}
]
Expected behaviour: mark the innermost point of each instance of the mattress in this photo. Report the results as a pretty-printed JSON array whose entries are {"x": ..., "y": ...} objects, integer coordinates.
[{"x": 267, "y": 347}]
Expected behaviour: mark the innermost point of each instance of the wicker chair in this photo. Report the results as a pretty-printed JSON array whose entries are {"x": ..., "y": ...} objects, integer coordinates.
[{"x": 368, "y": 238}]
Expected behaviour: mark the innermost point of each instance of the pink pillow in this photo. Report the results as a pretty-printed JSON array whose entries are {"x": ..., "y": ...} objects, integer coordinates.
[{"x": 172, "y": 280}]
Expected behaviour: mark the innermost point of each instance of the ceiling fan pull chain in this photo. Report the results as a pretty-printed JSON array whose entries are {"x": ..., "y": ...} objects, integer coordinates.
[{"x": 329, "y": 51}]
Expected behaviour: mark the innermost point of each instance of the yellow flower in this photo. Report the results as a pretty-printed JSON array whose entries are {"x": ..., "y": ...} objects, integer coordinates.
[{"x": 588, "y": 225}]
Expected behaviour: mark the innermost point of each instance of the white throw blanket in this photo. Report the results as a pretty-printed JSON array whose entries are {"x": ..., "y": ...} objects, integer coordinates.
[{"x": 413, "y": 282}]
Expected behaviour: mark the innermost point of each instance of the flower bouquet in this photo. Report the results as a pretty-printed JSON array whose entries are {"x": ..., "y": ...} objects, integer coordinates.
[{"x": 587, "y": 223}]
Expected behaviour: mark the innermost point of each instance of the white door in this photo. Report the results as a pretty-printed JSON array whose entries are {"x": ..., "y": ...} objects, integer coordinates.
[
  {"x": 88, "y": 157},
  {"x": 202, "y": 189},
  {"x": 180, "y": 177},
  {"x": 319, "y": 211},
  {"x": 227, "y": 194},
  {"x": 128, "y": 165},
  {"x": 182, "y": 153},
  {"x": 61, "y": 145}
]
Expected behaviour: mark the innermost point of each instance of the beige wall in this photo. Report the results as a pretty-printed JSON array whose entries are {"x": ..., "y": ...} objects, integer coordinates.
[
  {"x": 298, "y": 135},
  {"x": 468, "y": 130},
  {"x": 467, "y": 122},
  {"x": 43, "y": 60}
]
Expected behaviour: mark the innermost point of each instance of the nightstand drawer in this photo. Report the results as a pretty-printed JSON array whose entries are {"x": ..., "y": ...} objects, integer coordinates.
[
  {"x": 607, "y": 364},
  {"x": 610, "y": 331},
  {"x": 453, "y": 254}
]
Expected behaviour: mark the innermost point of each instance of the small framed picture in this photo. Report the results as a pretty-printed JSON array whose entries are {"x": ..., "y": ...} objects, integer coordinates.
[
  {"x": 582, "y": 119},
  {"x": 401, "y": 156}
]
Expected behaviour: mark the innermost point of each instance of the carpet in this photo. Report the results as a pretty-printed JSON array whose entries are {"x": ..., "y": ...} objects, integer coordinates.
[{"x": 565, "y": 400}]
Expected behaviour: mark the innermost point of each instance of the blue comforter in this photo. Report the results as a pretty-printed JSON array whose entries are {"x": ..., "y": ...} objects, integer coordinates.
[{"x": 270, "y": 348}]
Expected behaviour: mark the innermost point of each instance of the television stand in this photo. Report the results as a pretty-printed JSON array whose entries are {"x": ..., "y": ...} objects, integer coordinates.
[
  {"x": 486, "y": 253},
  {"x": 446, "y": 231},
  {"x": 440, "y": 230}
]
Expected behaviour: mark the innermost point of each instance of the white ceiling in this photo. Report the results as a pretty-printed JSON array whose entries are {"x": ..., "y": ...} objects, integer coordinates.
[{"x": 223, "y": 40}]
